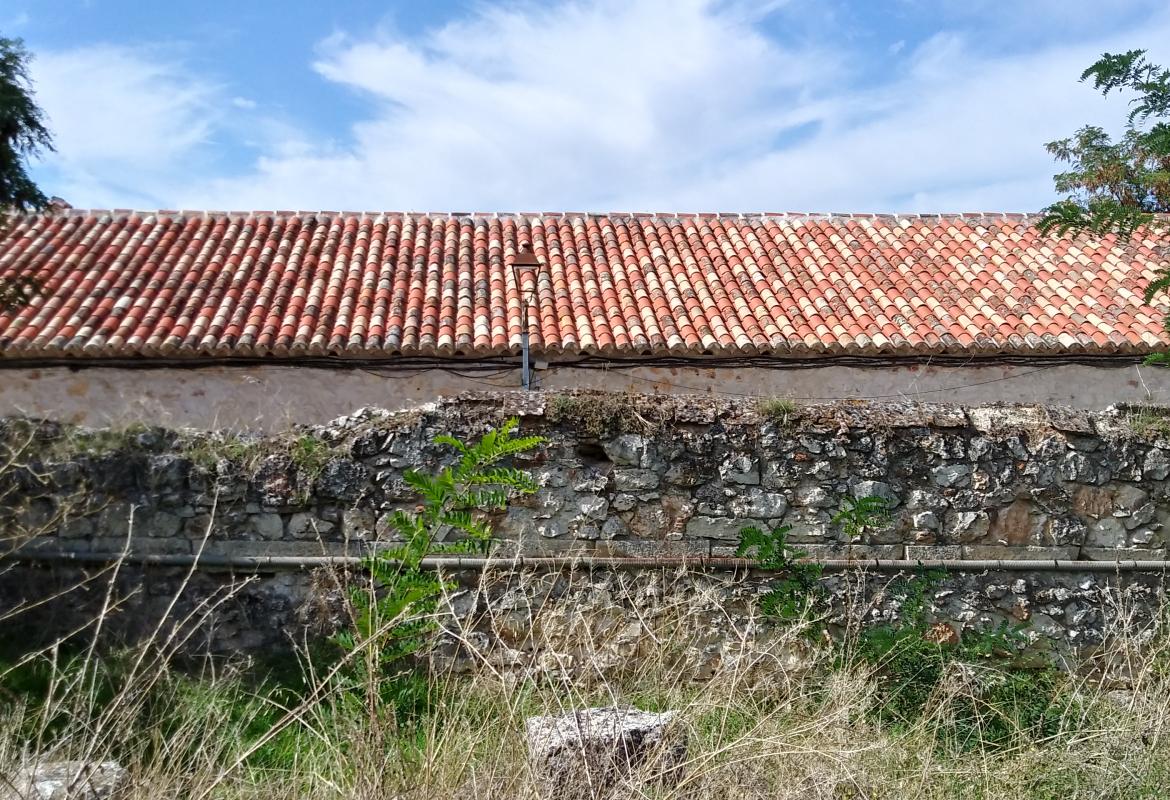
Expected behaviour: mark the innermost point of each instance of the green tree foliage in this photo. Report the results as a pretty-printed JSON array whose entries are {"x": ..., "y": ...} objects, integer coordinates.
[
  {"x": 23, "y": 135},
  {"x": 1117, "y": 185},
  {"x": 1114, "y": 186},
  {"x": 395, "y": 612}
]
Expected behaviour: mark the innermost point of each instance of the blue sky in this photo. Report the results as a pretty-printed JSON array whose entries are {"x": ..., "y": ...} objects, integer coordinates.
[{"x": 589, "y": 105}]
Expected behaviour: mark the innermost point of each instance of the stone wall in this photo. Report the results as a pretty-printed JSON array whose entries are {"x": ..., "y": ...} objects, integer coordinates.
[{"x": 620, "y": 476}]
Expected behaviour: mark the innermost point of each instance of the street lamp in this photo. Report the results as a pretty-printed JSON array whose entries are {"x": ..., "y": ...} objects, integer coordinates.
[{"x": 525, "y": 264}]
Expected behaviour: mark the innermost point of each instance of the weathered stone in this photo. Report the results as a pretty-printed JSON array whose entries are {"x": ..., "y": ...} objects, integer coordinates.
[
  {"x": 65, "y": 780},
  {"x": 952, "y": 475},
  {"x": 1156, "y": 465},
  {"x": 933, "y": 552},
  {"x": 856, "y": 552},
  {"x": 722, "y": 528},
  {"x": 357, "y": 523},
  {"x": 741, "y": 469},
  {"x": 813, "y": 497},
  {"x": 554, "y": 476},
  {"x": 967, "y": 526},
  {"x": 626, "y": 450},
  {"x": 1070, "y": 420},
  {"x": 925, "y": 520},
  {"x": 342, "y": 480},
  {"x": 623, "y": 502},
  {"x": 925, "y": 499},
  {"x": 1139, "y": 516},
  {"x": 584, "y": 754},
  {"x": 76, "y": 527},
  {"x": 1016, "y": 525},
  {"x": 594, "y": 508},
  {"x": 997, "y": 419},
  {"x": 1077, "y": 467},
  {"x": 1106, "y": 532},
  {"x": 979, "y": 448},
  {"x": 1029, "y": 553},
  {"x": 759, "y": 504},
  {"x": 1020, "y": 491},
  {"x": 679, "y": 509},
  {"x": 1127, "y": 498},
  {"x": 268, "y": 526},
  {"x": 157, "y": 524},
  {"x": 1092, "y": 502},
  {"x": 876, "y": 489},
  {"x": 303, "y": 525},
  {"x": 276, "y": 478},
  {"x": 168, "y": 472},
  {"x": 634, "y": 480},
  {"x": 589, "y": 479},
  {"x": 782, "y": 474},
  {"x": 545, "y": 504},
  {"x": 636, "y": 548},
  {"x": 650, "y": 522},
  {"x": 614, "y": 528},
  {"x": 1123, "y": 554},
  {"x": 1065, "y": 530}
]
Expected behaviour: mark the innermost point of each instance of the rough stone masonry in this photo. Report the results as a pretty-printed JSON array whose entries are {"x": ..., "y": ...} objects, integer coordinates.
[{"x": 620, "y": 476}]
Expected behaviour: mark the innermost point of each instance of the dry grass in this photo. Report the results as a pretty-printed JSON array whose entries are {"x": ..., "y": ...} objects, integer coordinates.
[{"x": 774, "y": 717}]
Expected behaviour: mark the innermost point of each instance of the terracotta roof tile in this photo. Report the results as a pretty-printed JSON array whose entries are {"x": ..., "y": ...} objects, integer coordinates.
[{"x": 285, "y": 284}]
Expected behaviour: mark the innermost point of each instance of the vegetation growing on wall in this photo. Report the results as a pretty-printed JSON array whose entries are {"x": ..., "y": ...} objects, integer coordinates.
[
  {"x": 781, "y": 410},
  {"x": 394, "y": 612},
  {"x": 599, "y": 414},
  {"x": 794, "y": 595},
  {"x": 860, "y": 516}
]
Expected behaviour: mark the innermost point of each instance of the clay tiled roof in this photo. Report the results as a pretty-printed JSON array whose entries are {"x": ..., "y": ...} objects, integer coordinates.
[{"x": 288, "y": 284}]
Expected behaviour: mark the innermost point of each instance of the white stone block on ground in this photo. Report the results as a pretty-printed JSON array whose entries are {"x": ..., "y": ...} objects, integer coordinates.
[
  {"x": 65, "y": 780},
  {"x": 584, "y": 754}
]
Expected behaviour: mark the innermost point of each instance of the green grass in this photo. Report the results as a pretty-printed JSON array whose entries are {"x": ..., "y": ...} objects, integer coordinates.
[
  {"x": 886, "y": 715},
  {"x": 1149, "y": 421},
  {"x": 780, "y": 410}
]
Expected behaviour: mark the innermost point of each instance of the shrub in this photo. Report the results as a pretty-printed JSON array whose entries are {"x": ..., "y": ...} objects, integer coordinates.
[
  {"x": 393, "y": 614},
  {"x": 981, "y": 696},
  {"x": 793, "y": 594},
  {"x": 861, "y": 515}
]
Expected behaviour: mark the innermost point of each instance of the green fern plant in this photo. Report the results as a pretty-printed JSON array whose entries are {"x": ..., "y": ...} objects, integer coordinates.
[
  {"x": 798, "y": 588},
  {"x": 396, "y": 608},
  {"x": 861, "y": 515}
]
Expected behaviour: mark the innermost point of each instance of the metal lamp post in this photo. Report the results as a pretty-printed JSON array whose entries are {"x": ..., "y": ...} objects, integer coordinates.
[{"x": 524, "y": 264}]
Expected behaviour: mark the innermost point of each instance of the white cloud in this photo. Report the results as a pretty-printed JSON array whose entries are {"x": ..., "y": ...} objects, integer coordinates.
[
  {"x": 128, "y": 125},
  {"x": 959, "y": 132},
  {"x": 580, "y": 105},
  {"x": 592, "y": 105}
]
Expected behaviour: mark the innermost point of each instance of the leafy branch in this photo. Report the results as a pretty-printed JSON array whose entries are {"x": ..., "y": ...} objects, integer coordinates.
[
  {"x": 861, "y": 515},
  {"x": 400, "y": 601},
  {"x": 798, "y": 588}
]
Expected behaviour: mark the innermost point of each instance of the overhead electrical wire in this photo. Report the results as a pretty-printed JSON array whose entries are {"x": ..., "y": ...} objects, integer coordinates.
[{"x": 487, "y": 371}]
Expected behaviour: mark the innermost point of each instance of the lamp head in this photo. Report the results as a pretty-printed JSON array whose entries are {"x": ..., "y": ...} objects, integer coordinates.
[{"x": 525, "y": 263}]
